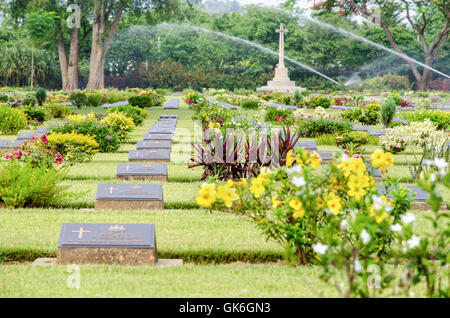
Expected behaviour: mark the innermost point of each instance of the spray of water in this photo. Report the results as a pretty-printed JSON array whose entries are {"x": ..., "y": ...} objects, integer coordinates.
[
  {"x": 302, "y": 19},
  {"x": 253, "y": 44},
  {"x": 363, "y": 39}
]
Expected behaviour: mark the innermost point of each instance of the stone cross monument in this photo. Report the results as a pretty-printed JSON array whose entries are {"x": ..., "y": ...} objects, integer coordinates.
[{"x": 281, "y": 81}]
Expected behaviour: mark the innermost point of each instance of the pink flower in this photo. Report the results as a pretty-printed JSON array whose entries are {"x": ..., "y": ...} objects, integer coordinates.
[
  {"x": 59, "y": 158},
  {"x": 44, "y": 139},
  {"x": 8, "y": 156},
  {"x": 277, "y": 118},
  {"x": 18, "y": 154}
]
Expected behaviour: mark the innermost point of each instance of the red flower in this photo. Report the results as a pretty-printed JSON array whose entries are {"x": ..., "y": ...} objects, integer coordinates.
[{"x": 18, "y": 154}]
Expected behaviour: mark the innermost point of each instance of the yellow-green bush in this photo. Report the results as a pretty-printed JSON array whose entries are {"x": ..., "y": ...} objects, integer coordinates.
[
  {"x": 11, "y": 120},
  {"x": 120, "y": 123},
  {"x": 74, "y": 147}
]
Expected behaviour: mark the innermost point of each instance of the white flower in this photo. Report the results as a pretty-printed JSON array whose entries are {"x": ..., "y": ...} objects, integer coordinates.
[
  {"x": 319, "y": 248},
  {"x": 440, "y": 163},
  {"x": 433, "y": 177},
  {"x": 378, "y": 202},
  {"x": 294, "y": 169},
  {"x": 408, "y": 218},
  {"x": 344, "y": 225},
  {"x": 396, "y": 227},
  {"x": 357, "y": 266},
  {"x": 365, "y": 236},
  {"x": 413, "y": 242},
  {"x": 298, "y": 181}
]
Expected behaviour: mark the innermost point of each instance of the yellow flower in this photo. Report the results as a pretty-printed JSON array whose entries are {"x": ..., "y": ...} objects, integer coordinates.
[
  {"x": 207, "y": 195},
  {"x": 389, "y": 159},
  {"x": 361, "y": 181},
  {"x": 334, "y": 203},
  {"x": 275, "y": 202},
  {"x": 346, "y": 166},
  {"x": 356, "y": 192},
  {"x": 297, "y": 206},
  {"x": 320, "y": 203},
  {"x": 377, "y": 158},
  {"x": 315, "y": 160},
  {"x": 290, "y": 159},
  {"x": 257, "y": 187},
  {"x": 358, "y": 165},
  {"x": 227, "y": 195},
  {"x": 298, "y": 214},
  {"x": 242, "y": 183},
  {"x": 379, "y": 215}
]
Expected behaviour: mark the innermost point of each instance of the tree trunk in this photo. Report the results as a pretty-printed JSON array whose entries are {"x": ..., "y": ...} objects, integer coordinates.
[
  {"x": 62, "y": 61},
  {"x": 101, "y": 42},
  {"x": 72, "y": 69}
]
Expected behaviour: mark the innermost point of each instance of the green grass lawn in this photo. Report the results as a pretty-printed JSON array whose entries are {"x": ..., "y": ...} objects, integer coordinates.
[{"x": 225, "y": 255}]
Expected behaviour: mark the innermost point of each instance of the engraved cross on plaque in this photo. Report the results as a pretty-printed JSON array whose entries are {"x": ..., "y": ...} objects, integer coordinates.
[
  {"x": 80, "y": 232},
  {"x": 281, "y": 30},
  {"x": 111, "y": 189}
]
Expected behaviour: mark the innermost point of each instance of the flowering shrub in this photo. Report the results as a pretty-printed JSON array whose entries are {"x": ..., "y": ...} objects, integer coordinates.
[
  {"x": 78, "y": 99},
  {"x": 316, "y": 127},
  {"x": 106, "y": 137},
  {"x": 74, "y": 147},
  {"x": 319, "y": 113},
  {"x": 279, "y": 115},
  {"x": 11, "y": 120},
  {"x": 427, "y": 255},
  {"x": 37, "y": 152},
  {"x": 137, "y": 114},
  {"x": 192, "y": 97},
  {"x": 36, "y": 115},
  {"x": 366, "y": 115},
  {"x": 142, "y": 101},
  {"x": 23, "y": 184},
  {"x": 295, "y": 204},
  {"x": 353, "y": 140},
  {"x": 388, "y": 82},
  {"x": 419, "y": 134},
  {"x": 440, "y": 119},
  {"x": 317, "y": 101},
  {"x": 57, "y": 111},
  {"x": 120, "y": 124}
]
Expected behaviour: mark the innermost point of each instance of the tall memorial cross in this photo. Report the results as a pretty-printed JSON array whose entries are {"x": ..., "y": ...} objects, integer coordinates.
[{"x": 282, "y": 31}]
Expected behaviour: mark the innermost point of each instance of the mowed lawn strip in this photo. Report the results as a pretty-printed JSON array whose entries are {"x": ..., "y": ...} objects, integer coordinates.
[{"x": 193, "y": 235}]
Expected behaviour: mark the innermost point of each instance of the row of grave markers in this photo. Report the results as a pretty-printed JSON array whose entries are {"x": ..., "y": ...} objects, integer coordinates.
[
  {"x": 146, "y": 164},
  {"x": 126, "y": 244}
]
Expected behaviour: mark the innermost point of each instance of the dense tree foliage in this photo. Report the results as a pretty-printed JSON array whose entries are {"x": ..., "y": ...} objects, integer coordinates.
[{"x": 190, "y": 39}]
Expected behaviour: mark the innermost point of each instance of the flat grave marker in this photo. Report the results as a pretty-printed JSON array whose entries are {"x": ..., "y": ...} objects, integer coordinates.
[
  {"x": 153, "y": 144},
  {"x": 107, "y": 243},
  {"x": 29, "y": 135},
  {"x": 326, "y": 156},
  {"x": 6, "y": 145},
  {"x": 161, "y": 130},
  {"x": 309, "y": 145},
  {"x": 153, "y": 155},
  {"x": 142, "y": 171},
  {"x": 282, "y": 106},
  {"x": 174, "y": 103},
  {"x": 129, "y": 197},
  {"x": 377, "y": 132},
  {"x": 158, "y": 137}
]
